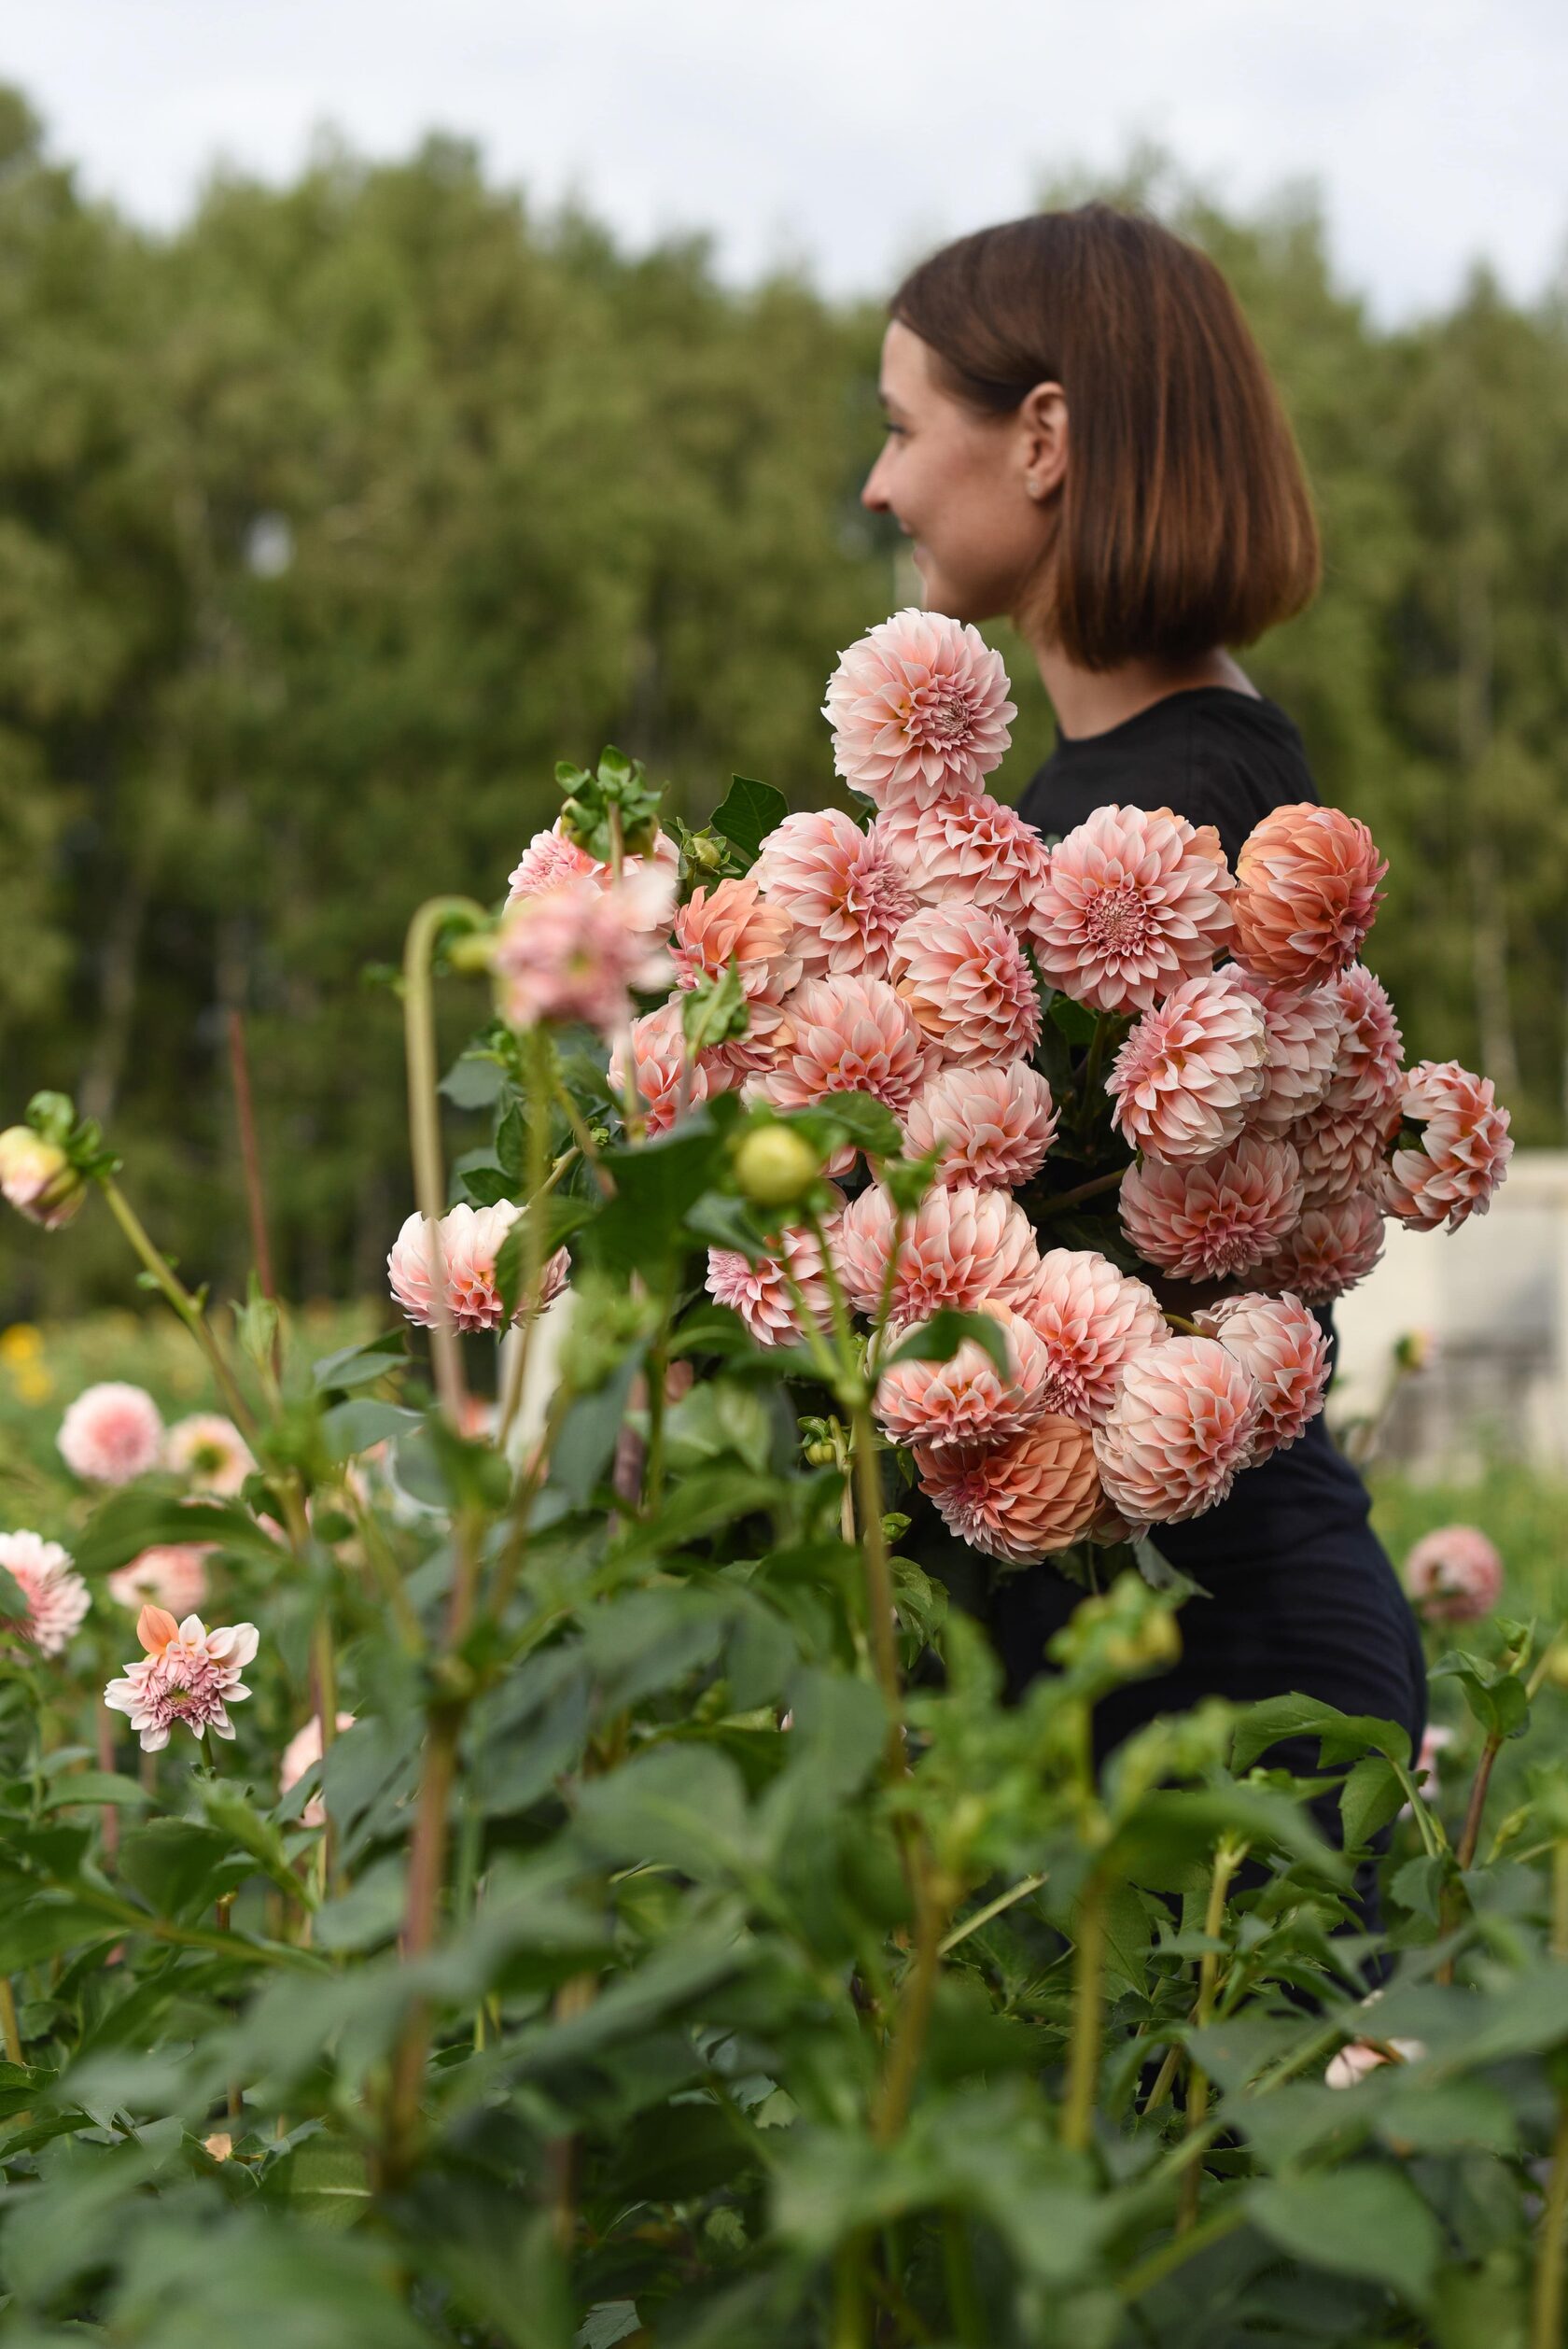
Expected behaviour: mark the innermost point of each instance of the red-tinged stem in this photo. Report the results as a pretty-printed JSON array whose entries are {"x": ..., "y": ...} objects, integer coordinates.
[
  {"x": 1065, "y": 1199},
  {"x": 429, "y": 1183}
]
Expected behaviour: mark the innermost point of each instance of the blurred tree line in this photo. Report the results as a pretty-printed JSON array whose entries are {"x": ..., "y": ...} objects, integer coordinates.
[{"x": 328, "y": 522}]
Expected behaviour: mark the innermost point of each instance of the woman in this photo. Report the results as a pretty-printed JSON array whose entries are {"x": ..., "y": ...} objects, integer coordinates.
[{"x": 1082, "y": 437}]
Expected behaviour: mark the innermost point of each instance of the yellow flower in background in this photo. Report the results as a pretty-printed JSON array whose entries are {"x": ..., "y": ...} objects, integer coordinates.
[
  {"x": 21, "y": 1348},
  {"x": 20, "y": 1342}
]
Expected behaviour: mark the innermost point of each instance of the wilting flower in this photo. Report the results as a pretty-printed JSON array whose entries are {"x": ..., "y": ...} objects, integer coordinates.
[
  {"x": 847, "y": 896},
  {"x": 918, "y": 710},
  {"x": 993, "y": 1125},
  {"x": 1208, "y": 1220},
  {"x": 56, "y": 1596},
  {"x": 959, "y": 1247},
  {"x": 1340, "y": 1150},
  {"x": 1189, "y": 1067},
  {"x": 1134, "y": 902},
  {"x": 966, "y": 1399},
  {"x": 1284, "y": 1351},
  {"x": 1455, "y": 1575},
  {"x": 729, "y": 923},
  {"x": 1330, "y": 1249},
  {"x": 1359, "y": 2057},
  {"x": 845, "y": 1034},
  {"x": 1092, "y": 1319},
  {"x": 1463, "y": 1154},
  {"x": 301, "y": 1753},
  {"x": 188, "y": 1674},
  {"x": 763, "y": 1293},
  {"x": 111, "y": 1434},
  {"x": 658, "y": 1055},
  {"x": 1306, "y": 894},
  {"x": 975, "y": 852},
  {"x": 1181, "y": 1429},
  {"x": 1367, "y": 1066},
  {"x": 577, "y": 950},
  {"x": 469, "y": 1240},
  {"x": 967, "y": 980},
  {"x": 210, "y": 1451},
  {"x": 1303, "y": 1027},
  {"x": 1023, "y": 1500},
  {"x": 172, "y": 1574},
  {"x": 38, "y": 1179}
]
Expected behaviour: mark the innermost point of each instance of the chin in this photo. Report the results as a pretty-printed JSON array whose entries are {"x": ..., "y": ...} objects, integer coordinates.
[{"x": 941, "y": 592}]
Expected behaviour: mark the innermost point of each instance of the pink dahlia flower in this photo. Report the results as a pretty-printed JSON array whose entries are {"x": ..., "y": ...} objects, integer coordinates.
[
  {"x": 1340, "y": 1150},
  {"x": 840, "y": 886},
  {"x": 1181, "y": 1429},
  {"x": 764, "y": 1294},
  {"x": 301, "y": 1753},
  {"x": 549, "y": 857},
  {"x": 1282, "y": 1349},
  {"x": 111, "y": 1434},
  {"x": 1211, "y": 1218},
  {"x": 845, "y": 1034},
  {"x": 993, "y": 1126},
  {"x": 1463, "y": 1154},
  {"x": 1353, "y": 2061},
  {"x": 1092, "y": 1321},
  {"x": 967, "y": 980},
  {"x": 188, "y": 1674},
  {"x": 1183, "y": 1080},
  {"x": 1306, "y": 894},
  {"x": 1455, "y": 1575},
  {"x": 38, "y": 1179},
  {"x": 966, "y": 1399},
  {"x": 469, "y": 1240},
  {"x": 729, "y": 923},
  {"x": 959, "y": 1247},
  {"x": 1331, "y": 1248},
  {"x": 1367, "y": 1066},
  {"x": 1022, "y": 1501},
  {"x": 972, "y": 852},
  {"x": 210, "y": 1451},
  {"x": 658, "y": 1055},
  {"x": 172, "y": 1574},
  {"x": 1134, "y": 902},
  {"x": 56, "y": 1596},
  {"x": 1302, "y": 1034},
  {"x": 577, "y": 950},
  {"x": 918, "y": 710}
]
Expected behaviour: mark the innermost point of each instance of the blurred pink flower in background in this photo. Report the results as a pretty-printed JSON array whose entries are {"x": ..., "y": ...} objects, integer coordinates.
[
  {"x": 1306, "y": 894},
  {"x": 1134, "y": 902},
  {"x": 970, "y": 851},
  {"x": 578, "y": 949},
  {"x": 1209, "y": 1219},
  {"x": 967, "y": 980},
  {"x": 918, "y": 710},
  {"x": 549, "y": 857},
  {"x": 471, "y": 1239},
  {"x": 1303, "y": 1027},
  {"x": 762, "y": 1293},
  {"x": 729, "y": 923},
  {"x": 658, "y": 1052},
  {"x": 994, "y": 1125},
  {"x": 1092, "y": 1321},
  {"x": 1284, "y": 1351},
  {"x": 847, "y": 896},
  {"x": 1179, "y": 1432},
  {"x": 967, "y": 1400},
  {"x": 1455, "y": 1575},
  {"x": 1023, "y": 1500},
  {"x": 1327, "y": 1252},
  {"x": 301, "y": 1753},
  {"x": 172, "y": 1574},
  {"x": 959, "y": 1247},
  {"x": 57, "y": 1598},
  {"x": 1359, "y": 2057},
  {"x": 210, "y": 1450},
  {"x": 1464, "y": 1153},
  {"x": 845, "y": 1034},
  {"x": 188, "y": 1674},
  {"x": 1183, "y": 1080},
  {"x": 112, "y": 1433}
]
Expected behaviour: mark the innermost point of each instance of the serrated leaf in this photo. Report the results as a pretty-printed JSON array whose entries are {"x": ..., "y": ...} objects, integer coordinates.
[
  {"x": 1341, "y": 1737},
  {"x": 1362, "y": 2220},
  {"x": 748, "y": 811}
]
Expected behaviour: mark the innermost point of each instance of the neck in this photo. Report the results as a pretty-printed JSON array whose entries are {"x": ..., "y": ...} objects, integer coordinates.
[{"x": 1091, "y": 700}]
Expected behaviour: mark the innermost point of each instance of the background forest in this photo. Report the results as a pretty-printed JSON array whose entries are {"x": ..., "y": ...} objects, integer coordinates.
[{"x": 328, "y": 522}]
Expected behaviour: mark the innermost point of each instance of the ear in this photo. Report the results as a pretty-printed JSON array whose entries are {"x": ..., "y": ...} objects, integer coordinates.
[{"x": 1043, "y": 439}]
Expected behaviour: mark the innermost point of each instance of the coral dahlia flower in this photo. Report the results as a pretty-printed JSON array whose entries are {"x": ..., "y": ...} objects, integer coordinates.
[
  {"x": 658, "y": 1056},
  {"x": 1303, "y": 1028},
  {"x": 188, "y": 1673},
  {"x": 764, "y": 1294},
  {"x": 210, "y": 1451},
  {"x": 1183, "y": 1080},
  {"x": 966, "y": 1399},
  {"x": 301, "y": 1753},
  {"x": 468, "y": 1241},
  {"x": 1025, "y": 1500},
  {"x": 1340, "y": 1150},
  {"x": 993, "y": 1126},
  {"x": 1332, "y": 1246},
  {"x": 1463, "y": 1154},
  {"x": 1181, "y": 1429},
  {"x": 845, "y": 1034},
  {"x": 1134, "y": 900},
  {"x": 577, "y": 950},
  {"x": 172, "y": 1574},
  {"x": 1283, "y": 1347},
  {"x": 918, "y": 710},
  {"x": 959, "y": 1247},
  {"x": 730, "y": 923},
  {"x": 1455, "y": 1575},
  {"x": 975, "y": 852},
  {"x": 56, "y": 1596},
  {"x": 967, "y": 980},
  {"x": 1367, "y": 1066},
  {"x": 1208, "y": 1220},
  {"x": 841, "y": 887},
  {"x": 111, "y": 1434},
  {"x": 1306, "y": 894},
  {"x": 1092, "y": 1319}
]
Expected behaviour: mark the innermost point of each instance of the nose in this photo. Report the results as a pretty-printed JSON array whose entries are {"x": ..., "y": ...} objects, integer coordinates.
[{"x": 873, "y": 496}]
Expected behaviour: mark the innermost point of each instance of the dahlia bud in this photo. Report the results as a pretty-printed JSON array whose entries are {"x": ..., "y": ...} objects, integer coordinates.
[
  {"x": 38, "y": 1179},
  {"x": 1557, "y": 1664},
  {"x": 774, "y": 1166},
  {"x": 705, "y": 851}
]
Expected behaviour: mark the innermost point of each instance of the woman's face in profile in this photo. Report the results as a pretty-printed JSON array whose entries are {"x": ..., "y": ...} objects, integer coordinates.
[{"x": 957, "y": 483}]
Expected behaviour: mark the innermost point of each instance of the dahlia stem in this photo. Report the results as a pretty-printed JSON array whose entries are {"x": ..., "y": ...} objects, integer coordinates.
[
  {"x": 250, "y": 1162},
  {"x": 1065, "y": 1199},
  {"x": 1469, "y": 1837},
  {"x": 1545, "y": 2314},
  {"x": 324, "y": 1675},
  {"x": 1018, "y": 1891},
  {"x": 895, "y": 2089},
  {"x": 541, "y": 1182},
  {"x": 1559, "y": 1899},
  {"x": 1227, "y": 1859},
  {"x": 105, "y": 1739},
  {"x": 1082, "y": 2061},
  {"x": 11, "y": 2037},
  {"x": 180, "y": 1299},
  {"x": 429, "y": 1186}
]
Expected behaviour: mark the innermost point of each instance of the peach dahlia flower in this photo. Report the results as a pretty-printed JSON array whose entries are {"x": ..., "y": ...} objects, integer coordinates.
[
  {"x": 1463, "y": 1154},
  {"x": 1340, "y": 1150},
  {"x": 469, "y": 1240},
  {"x": 1134, "y": 900},
  {"x": 1281, "y": 1346},
  {"x": 1306, "y": 894},
  {"x": 1210, "y": 1218},
  {"x": 658, "y": 1054},
  {"x": 959, "y": 1247},
  {"x": 172, "y": 1574},
  {"x": 1092, "y": 1321},
  {"x": 967, "y": 980},
  {"x": 208, "y": 1450},
  {"x": 841, "y": 887},
  {"x": 763, "y": 1293},
  {"x": 1183, "y": 1080},
  {"x": 188, "y": 1673},
  {"x": 918, "y": 710},
  {"x": 1367, "y": 1066},
  {"x": 578, "y": 949},
  {"x": 966, "y": 1399},
  {"x": 993, "y": 1126},
  {"x": 112, "y": 1433},
  {"x": 1180, "y": 1431},
  {"x": 56, "y": 1597},
  {"x": 1303, "y": 1028},
  {"x": 1025, "y": 1500},
  {"x": 1332, "y": 1246},
  {"x": 845, "y": 1034},
  {"x": 729, "y": 923},
  {"x": 975, "y": 852},
  {"x": 1455, "y": 1575}
]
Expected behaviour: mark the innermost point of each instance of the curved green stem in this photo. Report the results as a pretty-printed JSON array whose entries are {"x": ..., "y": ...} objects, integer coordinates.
[
  {"x": 1083, "y": 2062},
  {"x": 429, "y": 1186},
  {"x": 180, "y": 1299},
  {"x": 1076, "y": 1198}
]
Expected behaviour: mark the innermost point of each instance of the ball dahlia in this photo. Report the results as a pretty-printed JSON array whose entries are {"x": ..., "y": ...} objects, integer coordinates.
[
  {"x": 763, "y": 1293},
  {"x": 1183, "y": 1080},
  {"x": 967, "y": 980},
  {"x": 959, "y": 1247},
  {"x": 1284, "y": 1351},
  {"x": 658, "y": 1060},
  {"x": 1302, "y": 1028},
  {"x": 1092, "y": 1319},
  {"x": 469, "y": 1240},
  {"x": 1455, "y": 1575},
  {"x": 730, "y": 923},
  {"x": 975, "y": 852},
  {"x": 1181, "y": 1429},
  {"x": 993, "y": 1126},
  {"x": 1462, "y": 1152},
  {"x": 966, "y": 1399},
  {"x": 1367, "y": 1066},
  {"x": 1332, "y": 1246},
  {"x": 56, "y": 1597},
  {"x": 841, "y": 887},
  {"x": 208, "y": 1450},
  {"x": 1208, "y": 1220},
  {"x": 112, "y": 1433},
  {"x": 1306, "y": 894},
  {"x": 1134, "y": 902},
  {"x": 845, "y": 1034},
  {"x": 918, "y": 710},
  {"x": 188, "y": 1674},
  {"x": 172, "y": 1574},
  {"x": 1025, "y": 1500}
]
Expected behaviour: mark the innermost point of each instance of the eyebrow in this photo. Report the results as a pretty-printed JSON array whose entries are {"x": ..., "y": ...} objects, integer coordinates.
[{"x": 888, "y": 401}]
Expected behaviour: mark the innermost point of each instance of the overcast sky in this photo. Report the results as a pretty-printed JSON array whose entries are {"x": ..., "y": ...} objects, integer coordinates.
[{"x": 849, "y": 132}]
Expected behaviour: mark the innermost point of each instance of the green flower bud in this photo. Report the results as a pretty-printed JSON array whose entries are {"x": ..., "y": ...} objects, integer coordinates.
[
  {"x": 774, "y": 1166},
  {"x": 38, "y": 1179}
]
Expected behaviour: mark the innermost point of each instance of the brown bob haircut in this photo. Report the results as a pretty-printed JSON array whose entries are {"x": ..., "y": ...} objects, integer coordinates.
[{"x": 1185, "y": 520}]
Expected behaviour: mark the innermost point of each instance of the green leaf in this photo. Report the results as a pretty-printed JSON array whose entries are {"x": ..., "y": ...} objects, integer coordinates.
[
  {"x": 714, "y": 1011},
  {"x": 863, "y": 1120},
  {"x": 228, "y": 1812},
  {"x": 475, "y": 1081},
  {"x": 367, "y": 1915},
  {"x": 97, "y": 1786},
  {"x": 1372, "y": 1795},
  {"x": 322, "y": 2180},
  {"x": 1342, "y": 1736},
  {"x": 655, "y": 1183},
  {"x": 14, "y": 1604},
  {"x": 939, "y": 1339},
  {"x": 1364, "y": 2220},
  {"x": 564, "y": 1212},
  {"x": 680, "y": 1805},
  {"x": 51, "y": 1921},
  {"x": 358, "y": 1425},
  {"x": 1074, "y": 1020},
  {"x": 131, "y": 1520},
  {"x": 361, "y": 1364},
  {"x": 748, "y": 811}
]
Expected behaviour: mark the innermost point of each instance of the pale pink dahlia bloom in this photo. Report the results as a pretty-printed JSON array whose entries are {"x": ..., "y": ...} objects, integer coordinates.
[
  {"x": 1092, "y": 1319},
  {"x": 845, "y": 1034},
  {"x": 1330, "y": 1249},
  {"x": 1022, "y": 1501},
  {"x": 549, "y": 857},
  {"x": 1455, "y": 1575},
  {"x": 959, "y": 1247},
  {"x": 764, "y": 1294},
  {"x": 56, "y": 1596},
  {"x": 993, "y": 1126},
  {"x": 578, "y": 949},
  {"x": 1303, "y": 1027},
  {"x": 111, "y": 1434},
  {"x": 188, "y": 1673},
  {"x": 172, "y": 1574},
  {"x": 966, "y": 1399},
  {"x": 301, "y": 1753},
  {"x": 658, "y": 1054},
  {"x": 210, "y": 1451},
  {"x": 1210, "y": 1218},
  {"x": 842, "y": 889},
  {"x": 1134, "y": 900},
  {"x": 1367, "y": 1066},
  {"x": 1306, "y": 894},
  {"x": 730, "y": 923},
  {"x": 967, "y": 980},
  {"x": 1181, "y": 1429},
  {"x": 973, "y": 850},
  {"x": 1183, "y": 1080},
  {"x": 469, "y": 1240},
  {"x": 918, "y": 710},
  {"x": 1463, "y": 1154},
  {"x": 1358, "y": 2058},
  {"x": 1340, "y": 1150},
  {"x": 1277, "y": 1341}
]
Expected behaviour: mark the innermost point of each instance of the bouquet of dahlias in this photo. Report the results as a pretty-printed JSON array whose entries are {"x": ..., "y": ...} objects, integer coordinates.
[{"x": 1100, "y": 1075}]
